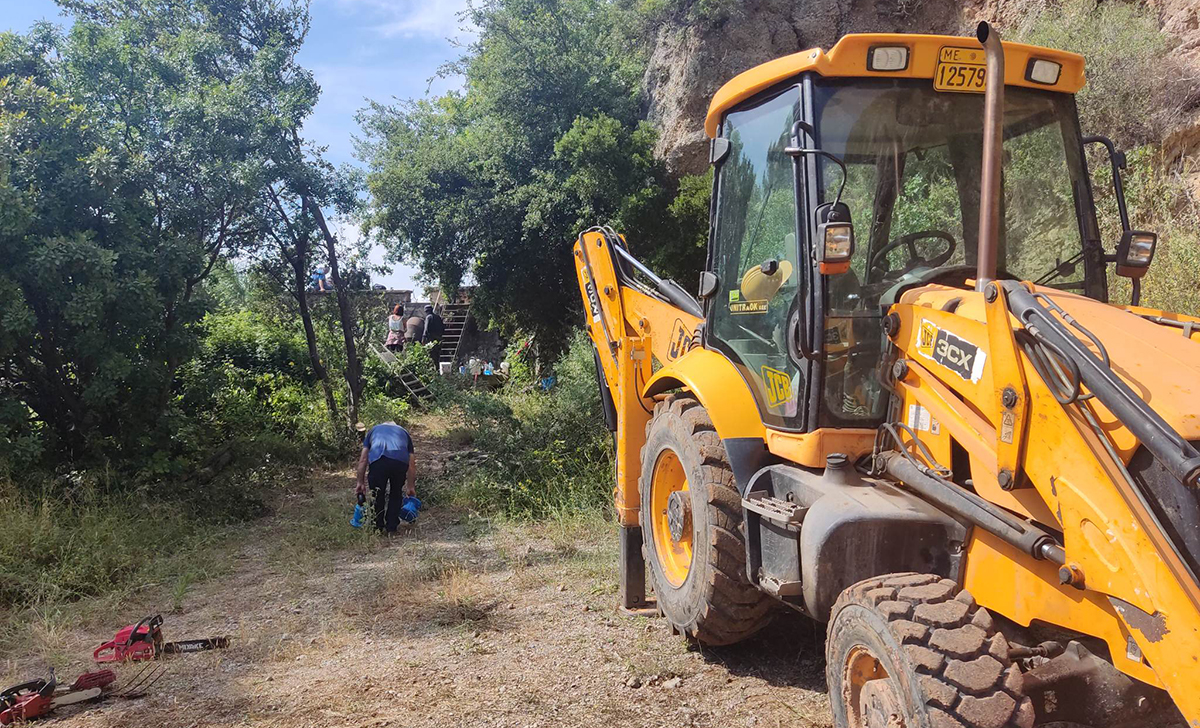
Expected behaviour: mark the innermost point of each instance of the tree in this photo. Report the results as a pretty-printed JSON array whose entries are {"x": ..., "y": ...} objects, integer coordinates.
[
  {"x": 133, "y": 155},
  {"x": 498, "y": 180},
  {"x": 291, "y": 232}
]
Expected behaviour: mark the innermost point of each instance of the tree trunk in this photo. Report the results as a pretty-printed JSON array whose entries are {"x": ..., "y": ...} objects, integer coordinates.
[
  {"x": 353, "y": 372},
  {"x": 299, "y": 265}
]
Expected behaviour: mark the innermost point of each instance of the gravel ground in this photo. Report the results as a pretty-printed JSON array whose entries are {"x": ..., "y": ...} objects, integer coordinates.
[{"x": 458, "y": 621}]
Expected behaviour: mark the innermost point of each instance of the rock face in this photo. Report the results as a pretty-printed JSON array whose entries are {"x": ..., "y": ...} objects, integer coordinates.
[
  {"x": 1181, "y": 18},
  {"x": 689, "y": 62}
]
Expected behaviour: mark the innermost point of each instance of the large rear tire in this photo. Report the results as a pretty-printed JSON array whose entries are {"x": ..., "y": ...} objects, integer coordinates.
[
  {"x": 912, "y": 651},
  {"x": 691, "y": 517}
]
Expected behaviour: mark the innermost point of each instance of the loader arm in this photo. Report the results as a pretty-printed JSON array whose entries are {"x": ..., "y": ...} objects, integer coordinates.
[
  {"x": 631, "y": 327},
  {"x": 1122, "y": 579}
]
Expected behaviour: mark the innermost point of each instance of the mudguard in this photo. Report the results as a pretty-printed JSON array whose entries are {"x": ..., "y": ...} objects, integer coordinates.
[{"x": 716, "y": 383}]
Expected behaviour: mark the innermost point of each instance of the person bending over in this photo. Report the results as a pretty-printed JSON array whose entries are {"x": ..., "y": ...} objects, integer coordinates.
[{"x": 386, "y": 466}]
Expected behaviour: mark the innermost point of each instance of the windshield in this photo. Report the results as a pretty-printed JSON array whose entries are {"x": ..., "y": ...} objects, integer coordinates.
[{"x": 913, "y": 157}]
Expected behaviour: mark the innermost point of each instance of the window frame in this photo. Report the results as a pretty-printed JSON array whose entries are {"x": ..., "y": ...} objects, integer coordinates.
[{"x": 801, "y": 188}]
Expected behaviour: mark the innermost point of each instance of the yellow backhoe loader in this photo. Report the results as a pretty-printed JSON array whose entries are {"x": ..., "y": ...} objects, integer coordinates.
[{"x": 901, "y": 403}]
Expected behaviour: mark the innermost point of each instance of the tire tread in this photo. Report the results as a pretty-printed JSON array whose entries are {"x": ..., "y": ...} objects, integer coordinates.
[
  {"x": 966, "y": 680},
  {"x": 733, "y": 608}
]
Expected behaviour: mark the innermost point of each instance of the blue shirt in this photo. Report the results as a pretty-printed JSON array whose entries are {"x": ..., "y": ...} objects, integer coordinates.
[{"x": 388, "y": 440}]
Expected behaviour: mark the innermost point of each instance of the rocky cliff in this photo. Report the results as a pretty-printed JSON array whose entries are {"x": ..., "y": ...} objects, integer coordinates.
[{"x": 690, "y": 61}]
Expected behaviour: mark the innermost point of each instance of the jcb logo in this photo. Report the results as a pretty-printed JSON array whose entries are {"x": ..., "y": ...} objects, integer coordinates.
[
  {"x": 778, "y": 386},
  {"x": 925, "y": 338},
  {"x": 681, "y": 339},
  {"x": 951, "y": 351}
]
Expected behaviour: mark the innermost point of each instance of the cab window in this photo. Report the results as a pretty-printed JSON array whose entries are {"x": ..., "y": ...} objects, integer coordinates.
[
  {"x": 755, "y": 255},
  {"x": 913, "y": 157}
]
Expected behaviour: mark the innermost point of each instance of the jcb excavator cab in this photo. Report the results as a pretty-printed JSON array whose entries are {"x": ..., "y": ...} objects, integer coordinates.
[
  {"x": 902, "y": 157},
  {"x": 903, "y": 405}
]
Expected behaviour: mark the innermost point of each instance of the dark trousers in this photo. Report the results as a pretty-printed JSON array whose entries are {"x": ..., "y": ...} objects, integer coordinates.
[
  {"x": 435, "y": 351},
  {"x": 384, "y": 473}
]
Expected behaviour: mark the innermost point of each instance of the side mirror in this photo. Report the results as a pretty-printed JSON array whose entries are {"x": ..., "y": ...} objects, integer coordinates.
[
  {"x": 1134, "y": 253},
  {"x": 835, "y": 238},
  {"x": 1136, "y": 247}
]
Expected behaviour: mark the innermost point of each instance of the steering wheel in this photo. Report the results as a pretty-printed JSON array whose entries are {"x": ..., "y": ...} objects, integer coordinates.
[{"x": 915, "y": 259}]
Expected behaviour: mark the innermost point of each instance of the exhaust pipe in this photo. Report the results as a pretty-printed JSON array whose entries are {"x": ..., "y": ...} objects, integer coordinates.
[{"x": 993, "y": 151}]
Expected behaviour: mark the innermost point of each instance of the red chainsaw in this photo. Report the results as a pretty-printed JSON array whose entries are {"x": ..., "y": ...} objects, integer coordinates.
[
  {"x": 144, "y": 641},
  {"x": 38, "y": 697}
]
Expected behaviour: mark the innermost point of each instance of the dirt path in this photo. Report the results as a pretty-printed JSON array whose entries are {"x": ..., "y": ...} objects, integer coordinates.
[{"x": 458, "y": 621}]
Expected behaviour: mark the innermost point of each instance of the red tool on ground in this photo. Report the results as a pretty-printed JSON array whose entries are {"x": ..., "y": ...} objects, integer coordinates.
[
  {"x": 38, "y": 697},
  {"x": 144, "y": 641}
]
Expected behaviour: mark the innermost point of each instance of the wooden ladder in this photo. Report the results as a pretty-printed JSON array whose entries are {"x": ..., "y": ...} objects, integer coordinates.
[{"x": 411, "y": 382}]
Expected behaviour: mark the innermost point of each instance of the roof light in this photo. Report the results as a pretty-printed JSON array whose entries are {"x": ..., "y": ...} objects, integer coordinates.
[
  {"x": 1040, "y": 71},
  {"x": 887, "y": 58}
]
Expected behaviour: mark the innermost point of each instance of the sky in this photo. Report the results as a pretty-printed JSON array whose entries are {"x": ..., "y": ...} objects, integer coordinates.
[{"x": 358, "y": 49}]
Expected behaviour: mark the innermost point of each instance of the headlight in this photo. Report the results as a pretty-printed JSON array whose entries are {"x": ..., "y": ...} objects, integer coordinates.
[
  {"x": 839, "y": 242},
  {"x": 835, "y": 238},
  {"x": 1041, "y": 71},
  {"x": 1141, "y": 249},
  {"x": 887, "y": 58}
]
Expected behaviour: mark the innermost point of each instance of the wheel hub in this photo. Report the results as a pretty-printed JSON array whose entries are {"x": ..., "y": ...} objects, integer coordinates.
[
  {"x": 679, "y": 515},
  {"x": 879, "y": 706}
]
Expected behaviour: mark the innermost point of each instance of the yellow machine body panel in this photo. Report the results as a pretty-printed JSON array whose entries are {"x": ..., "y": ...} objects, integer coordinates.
[
  {"x": 1065, "y": 479},
  {"x": 849, "y": 58},
  {"x": 644, "y": 348}
]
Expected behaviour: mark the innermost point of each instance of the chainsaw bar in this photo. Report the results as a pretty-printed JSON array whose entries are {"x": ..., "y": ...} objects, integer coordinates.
[
  {"x": 38, "y": 697},
  {"x": 181, "y": 646}
]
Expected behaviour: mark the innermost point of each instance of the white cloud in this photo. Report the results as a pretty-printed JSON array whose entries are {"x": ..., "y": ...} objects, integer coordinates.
[{"x": 413, "y": 18}]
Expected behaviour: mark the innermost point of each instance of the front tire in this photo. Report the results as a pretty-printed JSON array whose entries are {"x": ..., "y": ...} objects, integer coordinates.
[
  {"x": 691, "y": 517},
  {"x": 913, "y": 651}
]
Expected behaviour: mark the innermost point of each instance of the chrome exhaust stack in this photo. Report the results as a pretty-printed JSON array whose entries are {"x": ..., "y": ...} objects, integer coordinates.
[{"x": 993, "y": 156}]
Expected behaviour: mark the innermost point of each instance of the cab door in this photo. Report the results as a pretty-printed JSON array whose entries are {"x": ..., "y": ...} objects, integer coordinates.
[{"x": 755, "y": 254}]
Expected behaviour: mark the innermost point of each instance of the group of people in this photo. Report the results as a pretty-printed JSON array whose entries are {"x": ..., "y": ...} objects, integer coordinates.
[{"x": 427, "y": 329}]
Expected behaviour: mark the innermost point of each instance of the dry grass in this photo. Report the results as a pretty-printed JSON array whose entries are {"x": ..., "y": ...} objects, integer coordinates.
[{"x": 460, "y": 620}]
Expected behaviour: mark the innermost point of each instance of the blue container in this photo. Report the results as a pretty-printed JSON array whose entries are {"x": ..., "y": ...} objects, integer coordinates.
[
  {"x": 357, "y": 519},
  {"x": 409, "y": 508}
]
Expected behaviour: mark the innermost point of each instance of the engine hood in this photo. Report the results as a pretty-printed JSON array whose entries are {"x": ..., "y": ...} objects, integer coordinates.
[{"x": 1158, "y": 362}]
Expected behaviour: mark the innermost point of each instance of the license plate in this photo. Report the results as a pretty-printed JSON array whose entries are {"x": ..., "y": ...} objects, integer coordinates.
[{"x": 961, "y": 70}]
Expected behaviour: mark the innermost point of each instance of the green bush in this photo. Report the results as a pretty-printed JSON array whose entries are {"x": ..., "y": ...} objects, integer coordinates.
[
  {"x": 1137, "y": 90},
  {"x": 252, "y": 379},
  {"x": 381, "y": 409},
  {"x": 544, "y": 453},
  {"x": 79, "y": 535},
  {"x": 250, "y": 341},
  {"x": 1158, "y": 200},
  {"x": 1136, "y": 86}
]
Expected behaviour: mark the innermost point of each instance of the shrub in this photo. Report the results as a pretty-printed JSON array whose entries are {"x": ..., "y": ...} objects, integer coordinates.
[
  {"x": 545, "y": 453},
  {"x": 1136, "y": 86}
]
